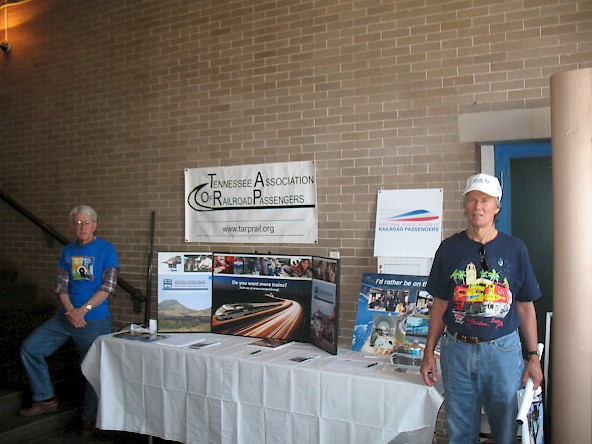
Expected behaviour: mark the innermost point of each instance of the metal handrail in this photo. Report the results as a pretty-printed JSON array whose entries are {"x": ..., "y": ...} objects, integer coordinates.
[{"x": 137, "y": 296}]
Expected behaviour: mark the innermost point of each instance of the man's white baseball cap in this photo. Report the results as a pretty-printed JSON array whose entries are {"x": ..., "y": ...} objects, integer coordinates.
[{"x": 486, "y": 184}]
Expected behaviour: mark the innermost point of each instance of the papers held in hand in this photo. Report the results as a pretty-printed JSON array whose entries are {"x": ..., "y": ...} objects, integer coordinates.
[{"x": 271, "y": 343}]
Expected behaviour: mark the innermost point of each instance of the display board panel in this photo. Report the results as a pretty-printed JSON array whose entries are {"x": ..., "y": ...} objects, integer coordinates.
[
  {"x": 264, "y": 296},
  {"x": 393, "y": 314},
  {"x": 324, "y": 328},
  {"x": 184, "y": 292}
]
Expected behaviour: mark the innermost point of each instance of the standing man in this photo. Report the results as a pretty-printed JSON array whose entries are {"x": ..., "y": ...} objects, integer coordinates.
[
  {"x": 87, "y": 277},
  {"x": 484, "y": 288}
]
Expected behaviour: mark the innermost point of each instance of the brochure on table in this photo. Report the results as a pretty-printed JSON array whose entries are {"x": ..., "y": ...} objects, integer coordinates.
[
  {"x": 263, "y": 296},
  {"x": 393, "y": 314},
  {"x": 271, "y": 343}
]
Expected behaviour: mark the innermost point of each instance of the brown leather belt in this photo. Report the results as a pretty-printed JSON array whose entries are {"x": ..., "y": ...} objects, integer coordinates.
[{"x": 466, "y": 338}]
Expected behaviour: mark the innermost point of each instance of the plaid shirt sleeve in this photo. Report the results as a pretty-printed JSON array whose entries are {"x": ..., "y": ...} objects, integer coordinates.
[
  {"x": 109, "y": 281},
  {"x": 62, "y": 281}
]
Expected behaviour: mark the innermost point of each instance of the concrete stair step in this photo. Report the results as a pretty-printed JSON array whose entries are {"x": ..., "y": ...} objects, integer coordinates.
[
  {"x": 62, "y": 427},
  {"x": 17, "y": 429},
  {"x": 10, "y": 403}
]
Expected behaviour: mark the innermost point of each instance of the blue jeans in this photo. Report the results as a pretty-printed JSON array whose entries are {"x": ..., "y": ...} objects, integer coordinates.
[
  {"x": 485, "y": 375},
  {"x": 45, "y": 340}
]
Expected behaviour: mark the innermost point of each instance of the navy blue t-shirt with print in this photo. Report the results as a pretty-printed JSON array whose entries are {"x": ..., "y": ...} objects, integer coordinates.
[{"x": 481, "y": 293}]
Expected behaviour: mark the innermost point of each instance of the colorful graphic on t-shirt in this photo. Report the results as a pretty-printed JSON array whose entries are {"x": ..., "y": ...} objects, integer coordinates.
[
  {"x": 83, "y": 268},
  {"x": 485, "y": 296}
]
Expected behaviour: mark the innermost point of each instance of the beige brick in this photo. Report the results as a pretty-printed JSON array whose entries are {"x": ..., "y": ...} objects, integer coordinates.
[{"x": 371, "y": 91}]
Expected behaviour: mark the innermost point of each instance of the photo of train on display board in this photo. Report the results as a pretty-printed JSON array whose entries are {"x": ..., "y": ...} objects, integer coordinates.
[{"x": 229, "y": 313}]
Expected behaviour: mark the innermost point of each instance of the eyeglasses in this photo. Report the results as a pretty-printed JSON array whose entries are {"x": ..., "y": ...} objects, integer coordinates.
[
  {"x": 80, "y": 223},
  {"x": 484, "y": 264}
]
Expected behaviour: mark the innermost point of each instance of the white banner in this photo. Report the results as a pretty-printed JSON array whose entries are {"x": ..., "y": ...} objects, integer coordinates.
[
  {"x": 274, "y": 202},
  {"x": 408, "y": 223}
]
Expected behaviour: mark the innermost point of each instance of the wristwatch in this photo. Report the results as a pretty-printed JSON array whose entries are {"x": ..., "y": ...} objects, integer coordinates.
[
  {"x": 88, "y": 307},
  {"x": 534, "y": 353}
]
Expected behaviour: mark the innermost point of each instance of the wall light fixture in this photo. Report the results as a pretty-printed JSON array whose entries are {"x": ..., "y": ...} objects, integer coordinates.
[{"x": 5, "y": 45}]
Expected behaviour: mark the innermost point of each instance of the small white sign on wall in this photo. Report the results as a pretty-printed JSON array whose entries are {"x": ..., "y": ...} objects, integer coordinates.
[{"x": 408, "y": 223}]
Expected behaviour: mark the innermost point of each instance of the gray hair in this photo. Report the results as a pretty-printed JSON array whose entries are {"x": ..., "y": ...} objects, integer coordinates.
[{"x": 83, "y": 209}]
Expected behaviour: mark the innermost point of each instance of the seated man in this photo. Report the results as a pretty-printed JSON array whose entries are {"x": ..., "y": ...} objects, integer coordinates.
[{"x": 87, "y": 277}]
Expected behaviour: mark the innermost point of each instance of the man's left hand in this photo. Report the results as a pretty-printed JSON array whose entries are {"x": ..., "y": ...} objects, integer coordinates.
[
  {"x": 533, "y": 371},
  {"x": 76, "y": 317}
]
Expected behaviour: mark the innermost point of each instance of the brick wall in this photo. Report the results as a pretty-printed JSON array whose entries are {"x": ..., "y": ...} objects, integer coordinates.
[{"x": 107, "y": 103}]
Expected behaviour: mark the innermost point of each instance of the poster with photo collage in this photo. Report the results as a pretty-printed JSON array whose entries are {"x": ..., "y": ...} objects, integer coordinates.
[{"x": 392, "y": 315}]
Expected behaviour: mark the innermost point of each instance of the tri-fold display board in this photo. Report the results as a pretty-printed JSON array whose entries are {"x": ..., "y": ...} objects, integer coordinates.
[{"x": 258, "y": 295}]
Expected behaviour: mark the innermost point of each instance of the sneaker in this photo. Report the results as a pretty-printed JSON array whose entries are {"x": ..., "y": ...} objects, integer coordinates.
[
  {"x": 88, "y": 427},
  {"x": 40, "y": 407}
]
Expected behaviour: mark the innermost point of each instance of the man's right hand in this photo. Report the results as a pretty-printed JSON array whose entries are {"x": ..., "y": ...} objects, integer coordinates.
[{"x": 428, "y": 369}]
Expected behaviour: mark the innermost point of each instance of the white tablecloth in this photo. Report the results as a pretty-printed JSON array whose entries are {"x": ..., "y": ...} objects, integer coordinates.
[{"x": 227, "y": 395}]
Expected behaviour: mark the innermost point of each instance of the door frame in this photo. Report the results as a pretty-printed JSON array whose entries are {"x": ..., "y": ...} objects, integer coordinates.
[{"x": 503, "y": 154}]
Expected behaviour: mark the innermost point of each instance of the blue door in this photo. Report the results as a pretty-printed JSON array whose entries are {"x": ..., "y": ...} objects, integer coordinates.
[{"x": 527, "y": 209}]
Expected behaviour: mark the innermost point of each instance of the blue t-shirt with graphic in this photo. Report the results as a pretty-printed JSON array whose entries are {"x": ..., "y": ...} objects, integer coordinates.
[
  {"x": 481, "y": 288},
  {"x": 85, "y": 265}
]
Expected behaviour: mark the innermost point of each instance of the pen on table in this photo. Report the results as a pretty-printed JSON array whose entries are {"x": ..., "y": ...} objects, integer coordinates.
[
  {"x": 255, "y": 352},
  {"x": 372, "y": 365}
]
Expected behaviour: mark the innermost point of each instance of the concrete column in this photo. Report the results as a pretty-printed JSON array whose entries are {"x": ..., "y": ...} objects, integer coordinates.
[{"x": 571, "y": 341}]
